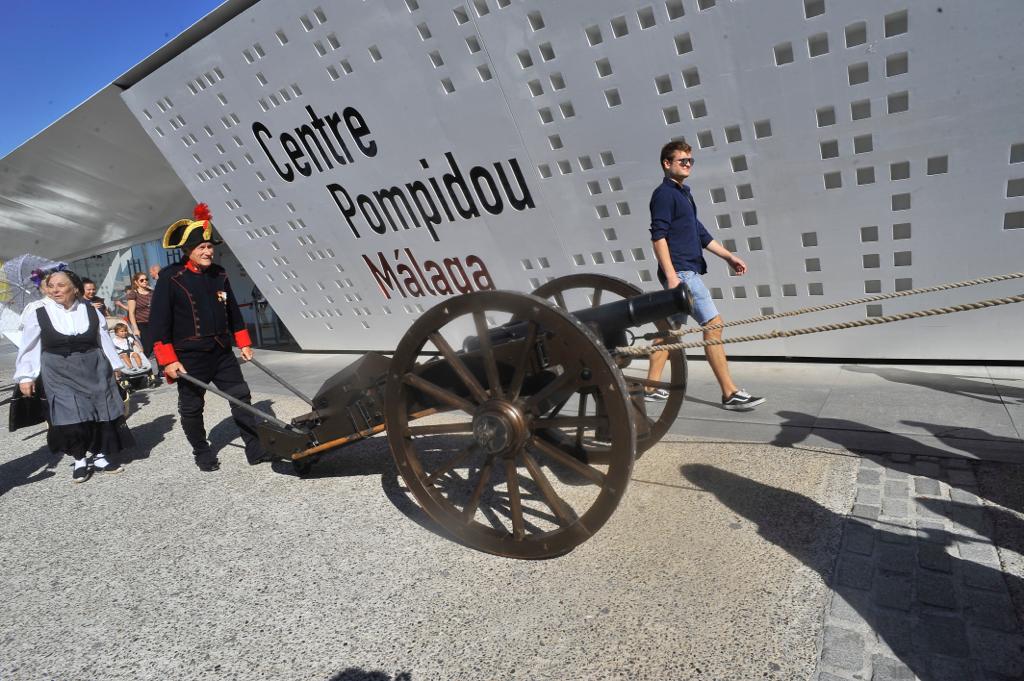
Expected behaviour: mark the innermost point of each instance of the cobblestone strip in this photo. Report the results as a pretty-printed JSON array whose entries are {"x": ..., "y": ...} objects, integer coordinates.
[{"x": 917, "y": 590}]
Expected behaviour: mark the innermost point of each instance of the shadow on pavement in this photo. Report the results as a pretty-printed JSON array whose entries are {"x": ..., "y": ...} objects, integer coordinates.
[
  {"x": 977, "y": 388},
  {"x": 24, "y": 470},
  {"x": 939, "y": 615}
]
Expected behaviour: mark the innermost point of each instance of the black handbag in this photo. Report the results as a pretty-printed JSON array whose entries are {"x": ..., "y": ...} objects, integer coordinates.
[{"x": 27, "y": 411}]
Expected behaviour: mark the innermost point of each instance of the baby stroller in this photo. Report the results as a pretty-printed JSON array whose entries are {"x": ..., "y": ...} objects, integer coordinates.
[{"x": 133, "y": 377}]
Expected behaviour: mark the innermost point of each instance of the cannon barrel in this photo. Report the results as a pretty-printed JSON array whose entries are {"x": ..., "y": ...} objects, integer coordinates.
[{"x": 611, "y": 320}]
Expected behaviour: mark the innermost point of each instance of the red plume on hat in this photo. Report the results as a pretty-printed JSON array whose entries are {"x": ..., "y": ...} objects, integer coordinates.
[{"x": 202, "y": 212}]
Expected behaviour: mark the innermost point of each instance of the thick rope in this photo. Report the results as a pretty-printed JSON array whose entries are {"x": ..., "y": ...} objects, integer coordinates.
[
  {"x": 846, "y": 303},
  {"x": 637, "y": 351}
]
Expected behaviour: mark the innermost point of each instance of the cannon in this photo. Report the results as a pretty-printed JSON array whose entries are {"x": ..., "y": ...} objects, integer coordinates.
[{"x": 534, "y": 426}]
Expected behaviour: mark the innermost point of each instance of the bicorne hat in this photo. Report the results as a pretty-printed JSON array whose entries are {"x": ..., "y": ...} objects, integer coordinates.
[{"x": 186, "y": 234}]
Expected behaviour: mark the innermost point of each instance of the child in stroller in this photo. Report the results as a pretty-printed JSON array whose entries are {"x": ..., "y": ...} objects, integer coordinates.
[{"x": 137, "y": 372}]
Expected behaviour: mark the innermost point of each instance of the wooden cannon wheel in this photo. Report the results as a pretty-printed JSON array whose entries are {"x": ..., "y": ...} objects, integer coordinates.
[
  {"x": 599, "y": 288},
  {"x": 485, "y": 474}
]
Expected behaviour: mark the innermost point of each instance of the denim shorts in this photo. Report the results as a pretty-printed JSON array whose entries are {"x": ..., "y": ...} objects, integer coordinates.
[{"x": 704, "y": 309}]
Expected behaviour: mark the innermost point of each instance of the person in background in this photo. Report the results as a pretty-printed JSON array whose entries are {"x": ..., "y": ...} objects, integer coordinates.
[
  {"x": 195, "y": 322},
  {"x": 65, "y": 344},
  {"x": 154, "y": 274},
  {"x": 121, "y": 303},
  {"x": 139, "y": 300},
  {"x": 90, "y": 297}
]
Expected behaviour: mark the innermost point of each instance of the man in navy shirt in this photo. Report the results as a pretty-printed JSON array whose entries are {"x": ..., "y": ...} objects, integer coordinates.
[{"x": 679, "y": 241}]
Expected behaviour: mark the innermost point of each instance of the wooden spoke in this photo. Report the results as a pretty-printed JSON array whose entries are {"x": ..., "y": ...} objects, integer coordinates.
[
  {"x": 487, "y": 353},
  {"x": 459, "y": 367},
  {"x": 515, "y": 504},
  {"x": 441, "y": 429},
  {"x": 436, "y": 391},
  {"x": 581, "y": 412},
  {"x": 456, "y": 461},
  {"x": 597, "y": 297},
  {"x": 520, "y": 373},
  {"x": 561, "y": 457},
  {"x": 554, "y": 502},
  {"x": 478, "y": 490},
  {"x": 560, "y": 301}
]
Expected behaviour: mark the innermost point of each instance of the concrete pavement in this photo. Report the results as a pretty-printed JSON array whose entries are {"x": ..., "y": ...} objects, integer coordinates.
[{"x": 790, "y": 542}]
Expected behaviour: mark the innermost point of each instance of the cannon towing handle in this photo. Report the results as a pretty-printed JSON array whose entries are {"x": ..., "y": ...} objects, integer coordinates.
[{"x": 243, "y": 405}]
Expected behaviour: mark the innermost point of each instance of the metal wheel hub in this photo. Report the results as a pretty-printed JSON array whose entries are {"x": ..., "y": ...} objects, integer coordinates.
[{"x": 499, "y": 427}]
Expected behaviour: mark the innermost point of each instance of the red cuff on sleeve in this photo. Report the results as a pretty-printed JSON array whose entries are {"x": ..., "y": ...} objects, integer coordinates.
[
  {"x": 242, "y": 338},
  {"x": 164, "y": 353}
]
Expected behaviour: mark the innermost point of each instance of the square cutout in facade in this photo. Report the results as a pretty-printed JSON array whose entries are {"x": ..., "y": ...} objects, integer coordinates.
[
  {"x": 898, "y": 102},
  {"x": 873, "y": 286},
  {"x": 833, "y": 180},
  {"x": 812, "y": 264},
  {"x": 646, "y": 17},
  {"x": 813, "y": 8},
  {"x": 871, "y": 261},
  {"x": 897, "y": 64},
  {"x": 733, "y": 134},
  {"x": 744, "y": 192},
  {"x": 863, "y": 144},
  {"x": 723, "y": 221},
  {"x": 675, "y": 9},
  {"x": 809, "y": 239},
  {"x": 816, "y": 289},
  {"x": 739, "y": 292},
  {"x": 858, "y": 73},
  {"x": 901, "y": 259},
  {"x": 900, "y": 202},
  {"x": 718, "y": 195},
  {"x": 856, "y": 34},
  {"x": 738, "y": 163},
  {"x": 829, "y": 149},
  {"x": 604, "y": 68},
  {"x": 899, "y": 170},
  {"x": 860, "y": 109},
  {"x": 826, "y": 116},
  {"x": 620, "y": 28},
  {"x": 705, "y": 4},
  {"x": 1013, "y": 220},
  {"x": 904, "y": 284},
  {"x": 698, "y": 109},
  {"x": 1017, "y": 152},
  {"x": 865, "y": 176},
  {"x": 593, "y": 34},
  {"x": 612, "y": 98},
  {"x": 536, "y": 20},
  {"x": 691, "y": 77},
  {"x": 938, "y": 165},
  {"x": 783, "y": 54},
  {"x": 869, "y": 233},
  {"x": 684, "y": 45},
  {"x": 873, "y": 310},
  {"x": 749, "y": 218},
  {"x": 547, "y": 53},
  {"x": 789, "y": 290},
  {"x": 1015, "y": 187},
  {"x": 896, "y": 23},
  {"x": 762, "y": 128},
  {"x": 901, "y": 230},
  {"x": 663, "y": 84},
  {"x": 817, "y": 45},
  {"x": 705, "y": 139}
]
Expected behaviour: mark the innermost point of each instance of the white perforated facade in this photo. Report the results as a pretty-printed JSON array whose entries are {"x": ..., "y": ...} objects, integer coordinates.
[{"x": 843, "y": 148}]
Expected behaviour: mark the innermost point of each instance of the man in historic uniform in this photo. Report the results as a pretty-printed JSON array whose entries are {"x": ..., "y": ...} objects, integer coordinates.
[{"x": 194, "y": 322}]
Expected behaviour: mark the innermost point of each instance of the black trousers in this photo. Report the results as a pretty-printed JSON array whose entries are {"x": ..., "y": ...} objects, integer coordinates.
[{"x": 219, "y": 367}]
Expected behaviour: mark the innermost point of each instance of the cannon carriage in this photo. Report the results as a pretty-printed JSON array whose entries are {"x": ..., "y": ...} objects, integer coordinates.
[{"x": 533, "y": 425}]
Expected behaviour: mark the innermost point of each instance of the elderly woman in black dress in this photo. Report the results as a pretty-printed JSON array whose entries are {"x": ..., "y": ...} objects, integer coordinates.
[{"x": 65, "y": 343}]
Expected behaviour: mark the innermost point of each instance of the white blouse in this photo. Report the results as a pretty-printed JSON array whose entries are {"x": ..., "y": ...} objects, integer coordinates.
[{"x": 66, "y": 321}]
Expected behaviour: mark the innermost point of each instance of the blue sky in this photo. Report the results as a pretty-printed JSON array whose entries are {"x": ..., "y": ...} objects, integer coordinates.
[{"x": 56, "y": 54}]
